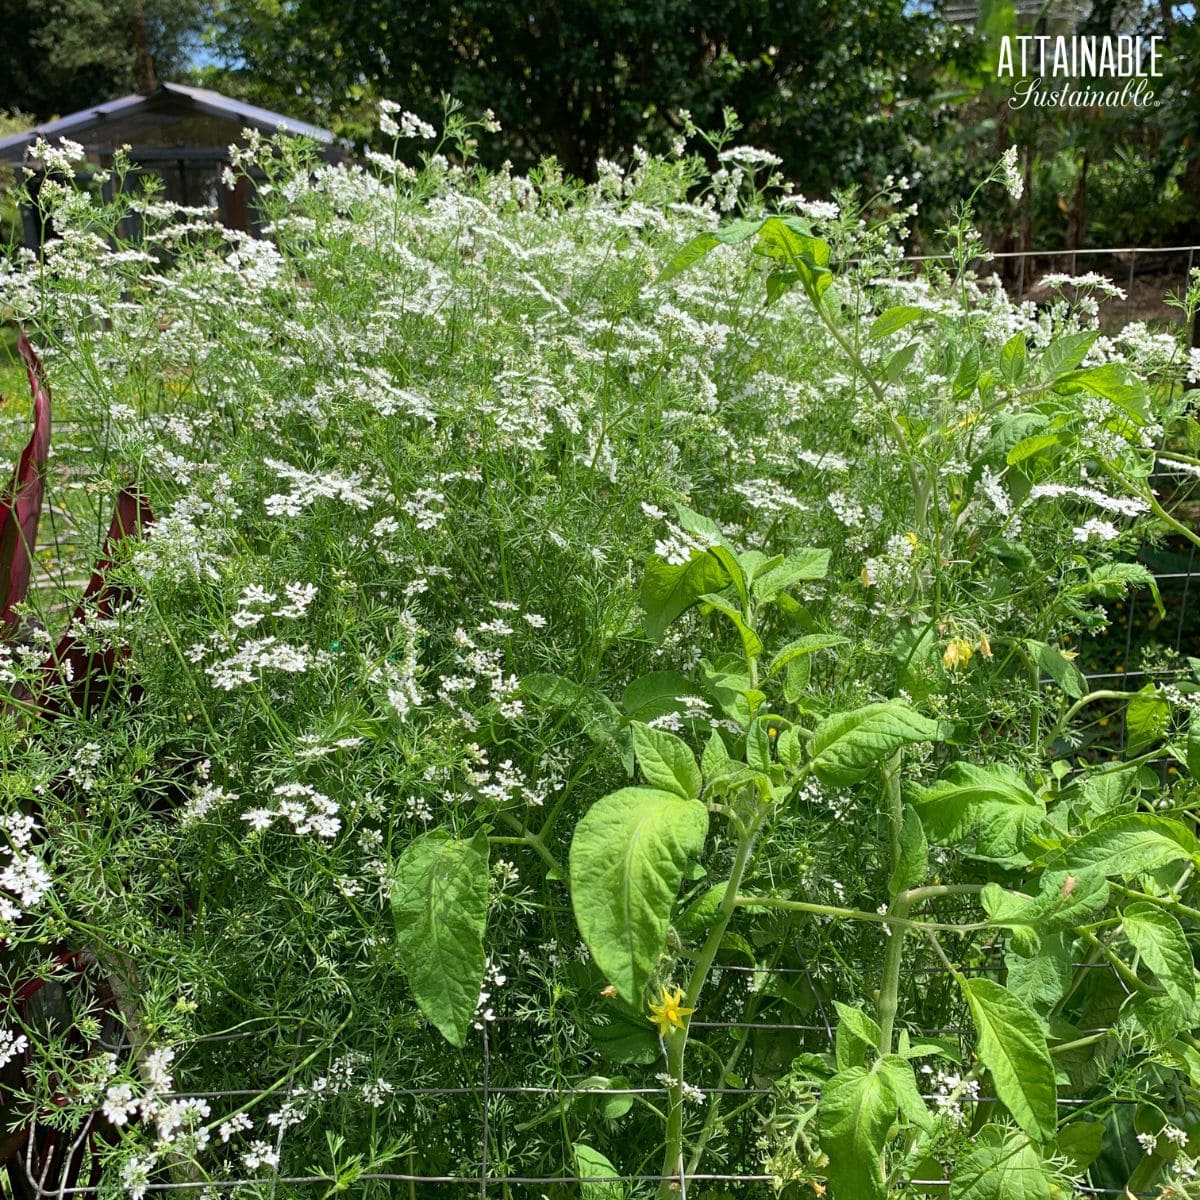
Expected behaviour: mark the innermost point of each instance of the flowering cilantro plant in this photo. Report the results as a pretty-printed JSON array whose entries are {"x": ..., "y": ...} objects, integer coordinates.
[{"x": 628, "y": 643}]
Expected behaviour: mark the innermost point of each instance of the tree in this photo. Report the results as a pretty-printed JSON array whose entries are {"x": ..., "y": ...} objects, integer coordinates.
[
  {"x": 57, "y": 56},
  {"x": 839, "y": 91}
]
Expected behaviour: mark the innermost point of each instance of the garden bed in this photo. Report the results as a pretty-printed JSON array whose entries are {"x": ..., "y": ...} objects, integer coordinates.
[{"x": 593, "y": 703}]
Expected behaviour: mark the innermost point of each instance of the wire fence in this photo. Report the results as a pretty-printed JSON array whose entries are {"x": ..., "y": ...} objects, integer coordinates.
[{"x": 1145, "y": 647}]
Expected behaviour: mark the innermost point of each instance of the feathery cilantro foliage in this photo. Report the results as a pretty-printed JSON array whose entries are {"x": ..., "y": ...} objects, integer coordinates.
[{"x": 563, "y": 600}]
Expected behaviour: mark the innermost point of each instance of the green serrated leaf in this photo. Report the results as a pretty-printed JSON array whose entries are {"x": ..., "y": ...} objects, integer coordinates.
[
  {"x": 1127, "y": 845},
  {"x": 701, "y": 915},
  {"x": 1000, "y": 1164},
  {"x": 1013, "y": 359},
  {"x": 1103, "y": 790},
  {"x": 670, "y": 589},
  {"x": 810, "y": 643},
  {"x": 1013, "y": 1048},
  {"x": 857, "y": 1035},
  {"x": 1159, "y": 938},
  {"x": 992, "y": 804},
  {"x": 806, "y": 564},
  {"x": 787, "y": 748},
  {"x": 847, "y": 745},
  {"x": 706, "y": 531},
  {"x": 898, "y": 1073},
  {"x": 1147, "y": 716},
  {"x": 623, "y": 1040},
  {"x": 666, "y": 761},
  {"x": 854, "y": 1115},
  {"x": 1041, "y": 979},
  {"x": 1064, "y": 900},
  {"x": 1059, "y": 667},
  {"x": 758, "y": 747},
  {"x": 751, "y": 643},
  {"x": 439, "y": 900},
  {"x": 714, "y": 754},
  {"x": 1113, "y": 580},
  {"x": 592, "y": 1165},
  {"x": 967, "y": 374},
  {"x": 896, "y": 318},
  {"x": 627, "y": 860},
  {"x": 1030, "y": 447},
  {"x": 1156, "y": 1017},
  {"x": 655, "y": 695},
  {"x": 805, "y": 257},
  {"x": 702, "y": 244},
  {"x": 795, "y": 679},
  {"x": 913, "y": 863},
  {"x": 1112, "y": 381},
  {"x": 894, "y": 368},
  {"x": 1065, "y": 353},
  {"x": 1080, "y": 1142},
  {"x": 1187, "y": 1059}
]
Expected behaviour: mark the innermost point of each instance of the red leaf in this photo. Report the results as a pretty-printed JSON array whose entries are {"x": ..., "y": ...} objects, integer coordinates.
[
  {"x": 130, "y": 517},
  {"x": 70, "y": 660},
  {"x": 21, "y": 505}
]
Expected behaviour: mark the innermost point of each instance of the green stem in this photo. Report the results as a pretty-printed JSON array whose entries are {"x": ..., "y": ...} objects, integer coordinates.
[
  {"x": 676, "y": 1040},
  {"x": 1174, "y": 906},
  {"x": 916, "y": 895},
  {"x": 676, "y": 1043},
  {"x": 1157, "y": 509},
  {"x": 860, "y": 914},
  {"x": 284, "y": 1080},
  {"x": 889, "y": 989},
  {"x": 1118, "y": 965},
  {"x": 1091, "y": 698},
  {"x": 1035, "y": 705},
  {"x": 714, "y": 1109},
  {"x": 1080, "y": 1043},
  {"x": 535, "y": 842}
]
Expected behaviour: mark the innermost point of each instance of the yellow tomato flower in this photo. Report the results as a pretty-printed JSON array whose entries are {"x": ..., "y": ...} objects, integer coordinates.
[
  {"x": 958, "y": 653},
  {"x": 668, "y": 1014},
  {"x": 912, "y": 540},
  {"x": 985, "y": 647}
]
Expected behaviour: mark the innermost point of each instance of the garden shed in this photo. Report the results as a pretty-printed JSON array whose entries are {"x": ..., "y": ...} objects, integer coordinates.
[{"x": 181, "y": 134}]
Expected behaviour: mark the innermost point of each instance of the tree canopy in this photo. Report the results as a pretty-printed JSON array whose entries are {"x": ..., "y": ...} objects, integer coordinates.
[
  {"x": 57, "y": 56},
  {"x": 844, "y": 94},
  {"x": 834, "y": 89}
]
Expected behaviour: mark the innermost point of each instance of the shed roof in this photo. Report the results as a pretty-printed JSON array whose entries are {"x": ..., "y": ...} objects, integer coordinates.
[{"x": 164, "y": 117}]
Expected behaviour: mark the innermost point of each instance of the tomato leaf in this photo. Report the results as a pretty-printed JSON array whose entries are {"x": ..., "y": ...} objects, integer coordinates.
[
  {"x": 439, "y": 894},
  {"x": 1013, "y": 1048},
  {"x": 1159, "y": 938},
  {"x": 856, "y": 1111},
  {"x": 1000, "y": 1164},
  {"x": 627, "y": 861},
  {"x": 847, "y": 745},
  {"x": 666, "y": 761}
]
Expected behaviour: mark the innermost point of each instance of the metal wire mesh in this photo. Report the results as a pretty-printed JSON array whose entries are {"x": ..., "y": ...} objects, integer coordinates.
[{"x": 1174, "y": 573}]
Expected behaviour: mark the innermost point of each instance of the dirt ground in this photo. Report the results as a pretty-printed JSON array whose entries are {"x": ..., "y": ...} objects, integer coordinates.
[{"x": 1146, "y": 277}]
